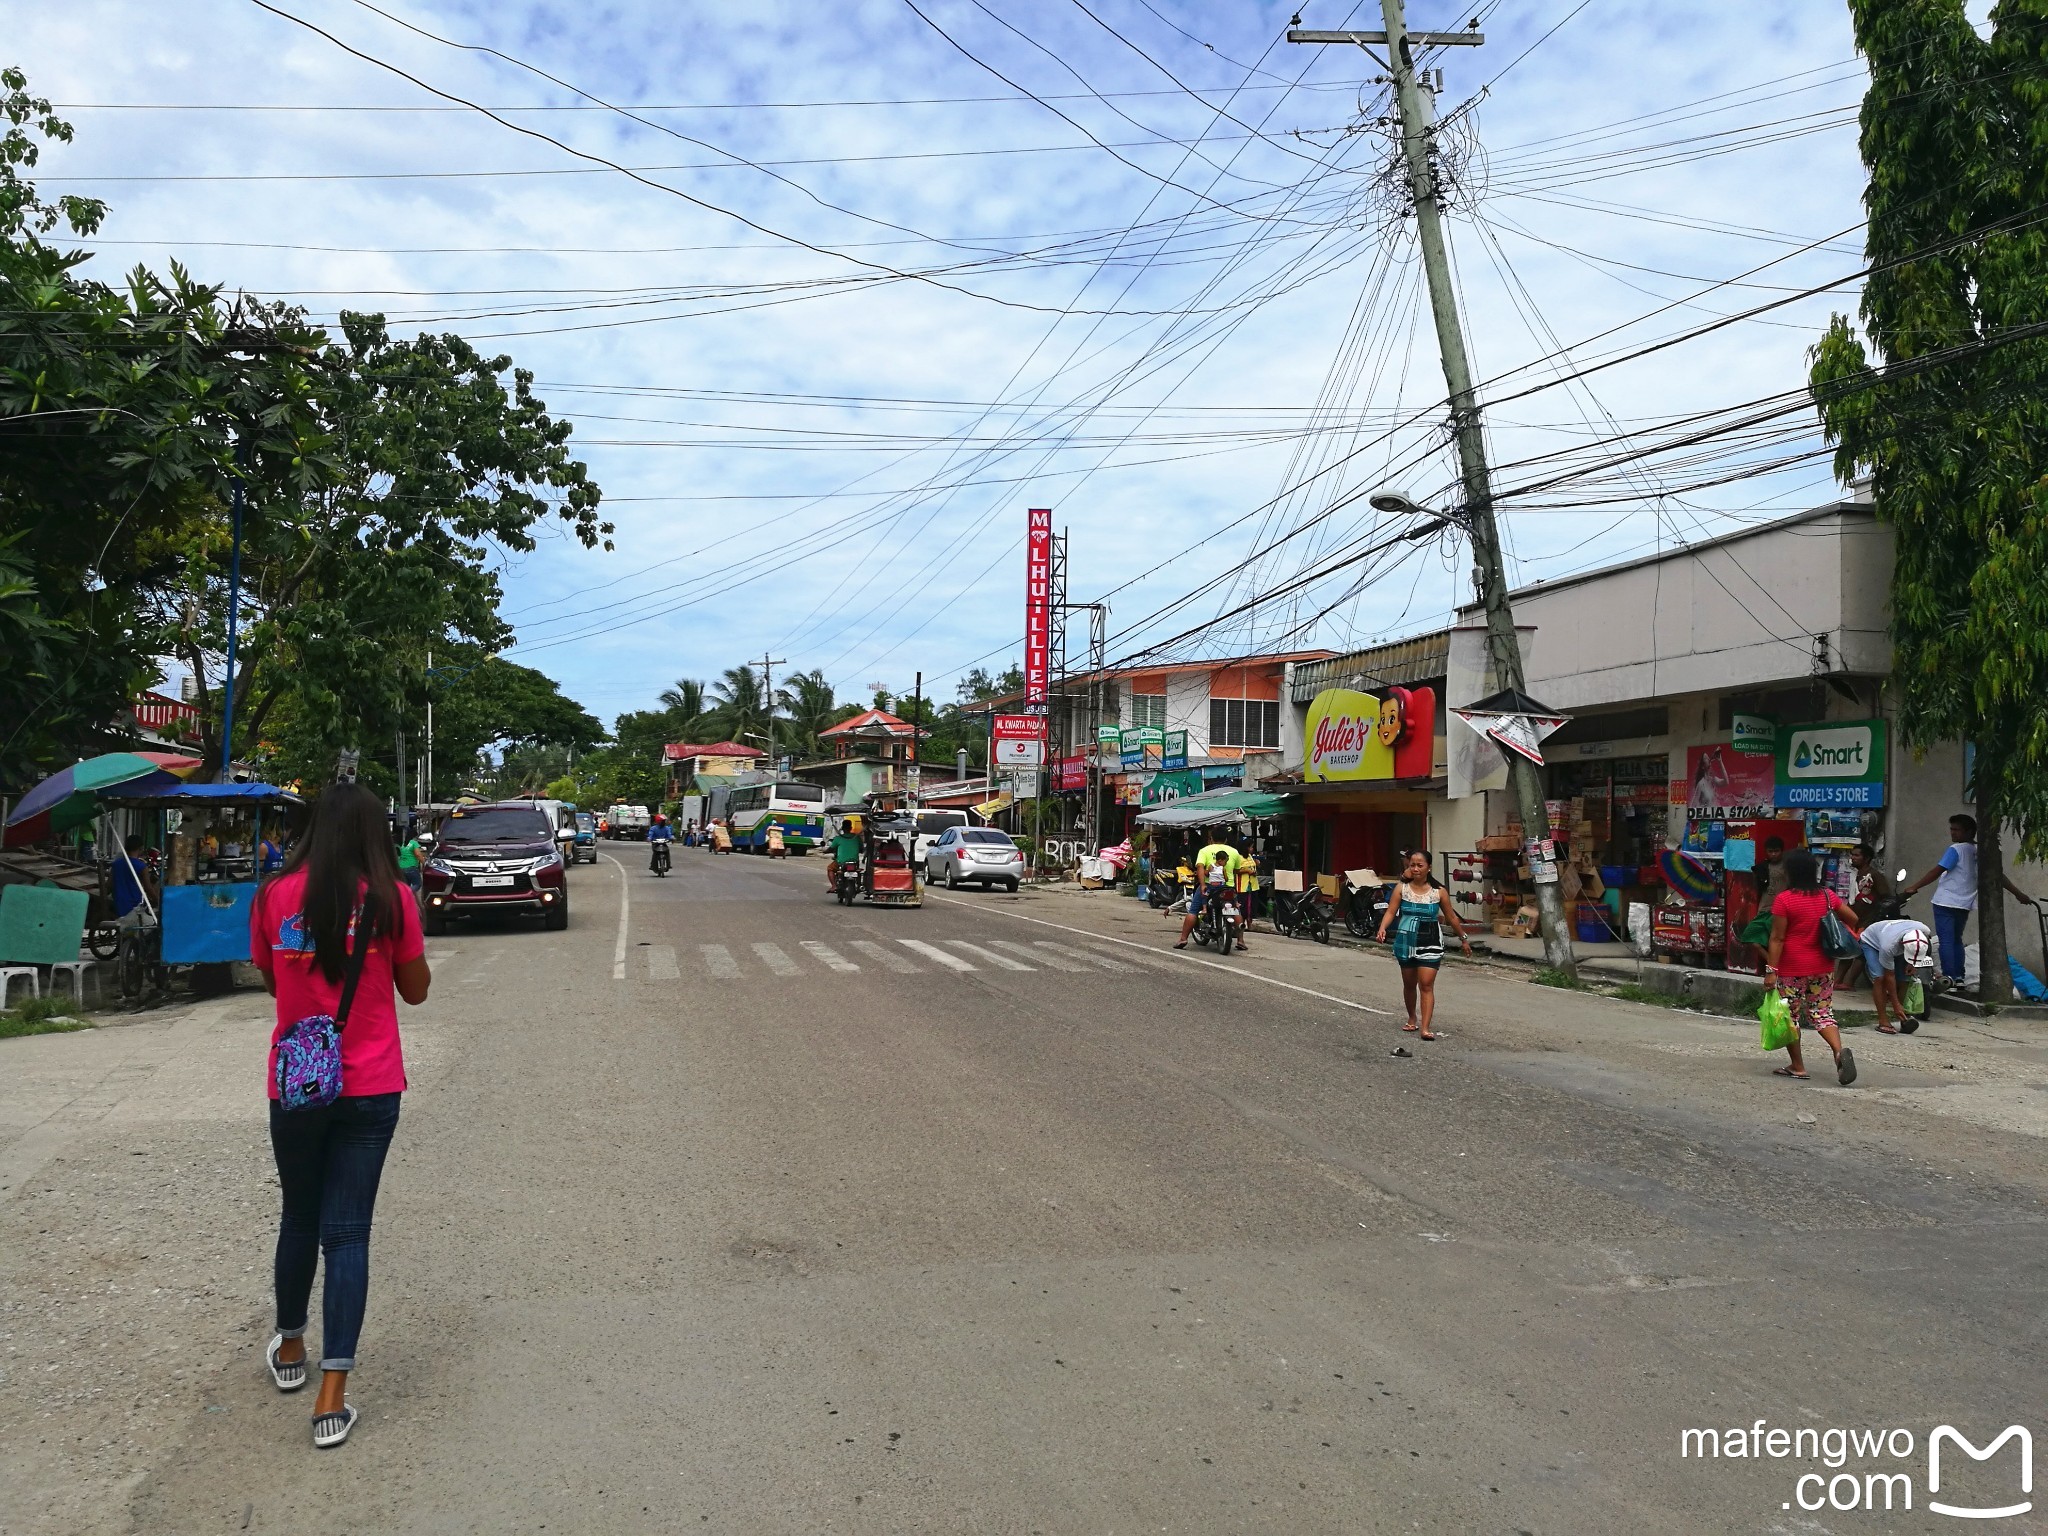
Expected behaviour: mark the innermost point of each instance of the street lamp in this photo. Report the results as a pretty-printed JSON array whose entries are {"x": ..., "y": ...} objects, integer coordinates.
[{"x": 1504, "y": 649}]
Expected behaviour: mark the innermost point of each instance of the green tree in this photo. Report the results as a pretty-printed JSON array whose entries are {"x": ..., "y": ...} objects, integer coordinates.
[
  {"x": 687, "y": 711},
  {"x": 122, "y": 411},
  {"x": 1943, "y": 397},
  {"x": 740, "y": 705},
  {"x": 809, "y": 706}
]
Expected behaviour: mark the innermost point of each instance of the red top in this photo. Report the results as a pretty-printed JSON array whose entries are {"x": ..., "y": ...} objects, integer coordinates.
[
  {"x": 1802, "y": 911},
  {"x": 371, "y": 1060}
]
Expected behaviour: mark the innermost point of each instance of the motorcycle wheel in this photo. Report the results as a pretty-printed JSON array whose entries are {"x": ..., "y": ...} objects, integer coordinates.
[{"x": 104, "y": 941}]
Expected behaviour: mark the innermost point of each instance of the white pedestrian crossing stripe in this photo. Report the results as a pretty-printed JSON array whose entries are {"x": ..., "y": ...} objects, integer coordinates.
[
  {"x": 827, "y": 956},
  {"x": 1057, "y": 962},
  {"x": 933, "y": 952},
  {"x": 719, "y": 962},
  {"x": 776, "y": 961},
  {"x": 1001, "y": 962},
  {"x": 887, "y": 959},
  {"x": 1092, "y": 956},
  {"x": 661, "y": 963}
]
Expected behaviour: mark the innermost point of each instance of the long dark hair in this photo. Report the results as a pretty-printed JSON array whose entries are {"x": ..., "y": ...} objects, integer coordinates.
[
  {"x": 1802, "y": 870},
  {"x": 345, "y": 852}
]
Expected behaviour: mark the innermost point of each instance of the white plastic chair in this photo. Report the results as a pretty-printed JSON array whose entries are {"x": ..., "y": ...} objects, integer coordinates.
[
  {"x": 7, "y": 975},
  {"x": 76, "y": 971}
]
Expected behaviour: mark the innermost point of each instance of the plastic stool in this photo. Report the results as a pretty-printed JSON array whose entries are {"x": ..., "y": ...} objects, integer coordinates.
[
  {"x": 7, "y": 975},
  {"x": 77, "y": 970}
]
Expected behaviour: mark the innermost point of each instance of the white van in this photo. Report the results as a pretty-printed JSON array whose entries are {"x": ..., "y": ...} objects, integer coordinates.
[{"x": 931, "y": 826}]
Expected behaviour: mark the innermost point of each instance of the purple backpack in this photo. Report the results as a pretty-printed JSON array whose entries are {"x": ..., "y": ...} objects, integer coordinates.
[{"x": 309, "y": 1054}]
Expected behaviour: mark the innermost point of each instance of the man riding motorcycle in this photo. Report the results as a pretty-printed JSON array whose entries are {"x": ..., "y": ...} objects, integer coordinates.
[
  {"x": 1215, "y": 880},
  {"x": 845, "y": 852},
  {"x": 659, "y": 835}
]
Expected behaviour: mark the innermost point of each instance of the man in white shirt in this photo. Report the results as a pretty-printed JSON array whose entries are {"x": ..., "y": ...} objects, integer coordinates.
[
  {"x": 1955, "y": 893},
  {"x": 1894, "y": 948}
]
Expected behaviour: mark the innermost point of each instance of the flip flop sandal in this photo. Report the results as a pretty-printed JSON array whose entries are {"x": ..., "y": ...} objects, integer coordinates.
[
  {"x": 1909, "y": 1027},
  {"x": 330, "y": 1429},
  {"x": 1428, "y": 1036},
  {"x": 1797, "y": 1077},
  {"x": 1410, "y": 1028},
  {"x": 1845, "y": 1067},
  {"x": 1887, "y": 1029},
  {"x": 289, "y": 1375}
]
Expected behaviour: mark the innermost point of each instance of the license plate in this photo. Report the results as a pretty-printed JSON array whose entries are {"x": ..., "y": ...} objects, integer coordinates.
[
  {"x": 493, "y": 879},
  {"x": 1228, "y": 910}
]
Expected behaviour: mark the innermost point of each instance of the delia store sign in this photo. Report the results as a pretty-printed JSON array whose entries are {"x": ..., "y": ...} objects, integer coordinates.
[{"x": 1839, "y": 764}]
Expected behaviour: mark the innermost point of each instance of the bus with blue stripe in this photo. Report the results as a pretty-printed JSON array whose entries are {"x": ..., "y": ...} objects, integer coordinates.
[{"x": 799, "y": 809}]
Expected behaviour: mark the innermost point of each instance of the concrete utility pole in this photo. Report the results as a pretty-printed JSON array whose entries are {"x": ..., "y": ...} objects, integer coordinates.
[
  {"x": 768, "y": 666},
  {"x": 1417, "y": 105}
]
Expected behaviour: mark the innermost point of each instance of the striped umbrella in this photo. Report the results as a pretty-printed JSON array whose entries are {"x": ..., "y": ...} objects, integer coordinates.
[{"x": 67, "y": 798}]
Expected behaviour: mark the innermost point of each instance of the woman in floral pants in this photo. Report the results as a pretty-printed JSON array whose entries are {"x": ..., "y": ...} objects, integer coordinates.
[{"x": 1800, "y": 969}]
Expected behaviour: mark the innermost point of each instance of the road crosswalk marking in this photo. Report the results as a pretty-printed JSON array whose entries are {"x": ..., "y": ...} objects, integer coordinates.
[
  {"x": 1092, "y": 956},
  {"x": 661, "y": 963},
  {"x": 776, "y": 961},
  {"x": 829, "y": 957},
  {"x": 1002, "y": 962},
  {"x": 1057, "y": 962},
  {"x": 888, "y": 959},
  {"x": 719, "y": 962},
  {"x": 933, "y": 952}
]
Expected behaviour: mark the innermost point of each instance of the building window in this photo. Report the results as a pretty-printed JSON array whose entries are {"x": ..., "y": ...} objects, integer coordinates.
[
  {"x": 1244, "y": 723},
  {"x": 1148, "y": 709}
]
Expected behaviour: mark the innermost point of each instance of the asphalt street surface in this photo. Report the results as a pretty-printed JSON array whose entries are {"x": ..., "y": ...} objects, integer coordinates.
[{"x": 730, "y": 1209}]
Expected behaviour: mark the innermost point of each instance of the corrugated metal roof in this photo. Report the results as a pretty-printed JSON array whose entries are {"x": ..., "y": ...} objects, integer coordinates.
[{"x": 1414, "y": 660}]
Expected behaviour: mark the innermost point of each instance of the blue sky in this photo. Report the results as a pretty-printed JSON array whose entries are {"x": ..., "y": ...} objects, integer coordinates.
[{"x": 1169, "y": 298}]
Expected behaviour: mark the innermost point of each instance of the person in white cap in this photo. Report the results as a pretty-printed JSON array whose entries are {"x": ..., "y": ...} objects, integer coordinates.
[{"x": 1893, "y": 949}]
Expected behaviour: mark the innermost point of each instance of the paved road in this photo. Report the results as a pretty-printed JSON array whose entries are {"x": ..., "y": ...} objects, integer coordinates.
[{"x": 738, "y": 1211}]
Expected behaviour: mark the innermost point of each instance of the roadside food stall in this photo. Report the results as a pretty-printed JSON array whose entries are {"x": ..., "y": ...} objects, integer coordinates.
[{"x": 213, "y": 835}]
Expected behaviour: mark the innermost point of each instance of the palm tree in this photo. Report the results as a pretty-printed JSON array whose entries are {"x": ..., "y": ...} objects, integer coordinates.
[
  {"x": 685, "y": 705},
  {"x": 739, "y": 707},
  {"x": 807, "y": 702}
]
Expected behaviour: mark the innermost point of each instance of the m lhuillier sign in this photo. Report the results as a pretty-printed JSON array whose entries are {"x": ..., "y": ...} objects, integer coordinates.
[
  {"x": 1840, "y": 764},
  {"x": 1038, "y": 608}
]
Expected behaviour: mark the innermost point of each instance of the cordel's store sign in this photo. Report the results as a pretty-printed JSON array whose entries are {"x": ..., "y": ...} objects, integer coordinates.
[
  {"x": 1838, "y": 764},
  {"x": 1355, "y": 736}
]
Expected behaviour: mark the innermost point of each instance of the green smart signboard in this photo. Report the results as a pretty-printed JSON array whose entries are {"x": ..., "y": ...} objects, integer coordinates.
[
  {"x": 1837, "y": 764},
  {"x": 1174, "y": 753}
]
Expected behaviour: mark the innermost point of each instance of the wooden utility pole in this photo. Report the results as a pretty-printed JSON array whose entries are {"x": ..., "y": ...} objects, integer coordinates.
[{"x": 1417, "y": 105}]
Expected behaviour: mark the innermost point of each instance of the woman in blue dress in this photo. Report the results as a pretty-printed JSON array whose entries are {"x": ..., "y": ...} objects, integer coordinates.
[{"x": 1417, "y": 916}]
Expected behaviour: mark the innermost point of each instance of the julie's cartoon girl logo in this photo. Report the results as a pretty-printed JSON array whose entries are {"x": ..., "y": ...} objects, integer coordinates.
[{"x": 1355, "y": 735}]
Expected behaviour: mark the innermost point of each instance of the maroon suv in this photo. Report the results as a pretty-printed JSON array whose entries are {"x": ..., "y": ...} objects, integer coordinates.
[{"x": 495, "y": 858}]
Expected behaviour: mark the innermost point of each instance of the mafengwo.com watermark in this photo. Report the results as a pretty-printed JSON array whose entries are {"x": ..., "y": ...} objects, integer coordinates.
[{"x": 1874, "y": 1470}]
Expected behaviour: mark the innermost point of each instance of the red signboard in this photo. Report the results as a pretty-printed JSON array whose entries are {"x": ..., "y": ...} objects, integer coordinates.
[
  {"x": 1070, "y": 773},
  {"x": 1017, "y": 727},
  {"x": 1038, "y": 608}
]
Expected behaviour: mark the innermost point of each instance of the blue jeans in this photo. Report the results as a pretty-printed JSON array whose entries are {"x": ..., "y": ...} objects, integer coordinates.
[
  {"x": 328, "y": 1164},
  {"x": 1949, "y": 923}
]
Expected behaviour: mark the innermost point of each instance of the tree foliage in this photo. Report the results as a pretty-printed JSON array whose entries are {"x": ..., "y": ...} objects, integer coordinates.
[{"x": 1943, "y": 396}]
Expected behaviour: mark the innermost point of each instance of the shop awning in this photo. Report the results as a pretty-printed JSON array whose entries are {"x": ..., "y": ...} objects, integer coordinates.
[{"x": 1216, "y": 807}]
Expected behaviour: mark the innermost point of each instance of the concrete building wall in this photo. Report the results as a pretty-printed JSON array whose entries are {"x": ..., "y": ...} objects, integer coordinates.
[{"x": 1187, "y": 709}]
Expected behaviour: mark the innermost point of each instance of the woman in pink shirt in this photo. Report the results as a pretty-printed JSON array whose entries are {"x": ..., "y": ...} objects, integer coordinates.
[
  {"x": 338, "y": 890},
  {"x": 1800, "y": 969}
]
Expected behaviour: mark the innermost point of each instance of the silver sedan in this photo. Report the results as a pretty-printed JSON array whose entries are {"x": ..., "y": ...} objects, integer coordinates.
[{"x": 974, "y": 856}]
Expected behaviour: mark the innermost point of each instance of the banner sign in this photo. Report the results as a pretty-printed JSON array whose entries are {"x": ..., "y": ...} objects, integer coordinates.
[
  {"x": 1133, "y": 741},
  {"x": 1354, "y": 736},
  {"x": 1840, "y": 764},
  {"x": 1071, "y": 774},
  {"x": 1019, "y": 752},
  {"x": 1017, "y": 727},
  {"x": 1174, "y": 752},
  {"x": 1722, "y": 784},
  {"x": 1755, "y": 733},
  {"x": 1171, "y": 786},
  {"x": 1107, "y": 739},
  {"x": 1038, "y": 607}
]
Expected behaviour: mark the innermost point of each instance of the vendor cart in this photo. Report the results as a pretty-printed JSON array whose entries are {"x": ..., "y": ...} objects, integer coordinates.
[{"x": 214, "y": 837}]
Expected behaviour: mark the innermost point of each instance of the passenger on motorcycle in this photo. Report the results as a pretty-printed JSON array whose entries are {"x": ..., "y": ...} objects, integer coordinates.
[
  {"x": 1215, "y": 880},
  {"x": 659, "y": 834}
]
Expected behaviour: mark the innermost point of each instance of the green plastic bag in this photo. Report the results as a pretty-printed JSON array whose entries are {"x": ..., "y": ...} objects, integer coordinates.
[
  {"x": 1914, "y": 998},
  {"x": 1775, "y": 1018}
]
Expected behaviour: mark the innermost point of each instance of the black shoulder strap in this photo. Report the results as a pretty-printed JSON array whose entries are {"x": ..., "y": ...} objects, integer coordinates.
[{"x": 352, "y": 967}]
